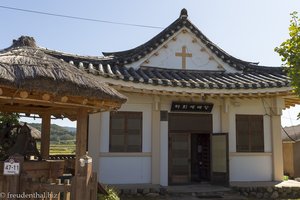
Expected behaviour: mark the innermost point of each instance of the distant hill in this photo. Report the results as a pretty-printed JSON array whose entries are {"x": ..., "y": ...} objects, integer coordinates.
[
  {"x": 71, "y": 129},
  {"x": 58, "y": 133}
]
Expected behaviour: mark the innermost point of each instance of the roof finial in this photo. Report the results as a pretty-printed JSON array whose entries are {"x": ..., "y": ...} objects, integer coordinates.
[
  {"x": 183, "y": 13},
  {"x": 24, "y": 41}
]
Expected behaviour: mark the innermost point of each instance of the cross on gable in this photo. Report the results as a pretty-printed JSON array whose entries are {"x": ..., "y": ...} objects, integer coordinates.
[{"x": 184, "y": 55}]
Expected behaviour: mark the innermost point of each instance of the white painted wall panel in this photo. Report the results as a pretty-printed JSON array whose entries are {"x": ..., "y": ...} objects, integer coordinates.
[
  {"x": 164, "y": 153},
  {"x": 146, "y": 137},
  {"x": 165, "y": 55},
  {"x": 216, "y": 119},
  {"x": 249, "y": 107},
  {"x": 147, "y": 129},
  {"x": 125, "y": 170},
  {"x": 104, "y": 136},
  {"x": 250, "y": 168},
  {"x": 94, "y": 138}
]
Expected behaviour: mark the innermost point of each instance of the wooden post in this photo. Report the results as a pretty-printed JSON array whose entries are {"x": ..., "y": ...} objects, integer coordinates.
[
  {"x": 81, "y": 175},
  {"x": 45, "y": 135},
  {"x": 81, "y": 137},
  {"x": 277, "y": 155},
  {"x": 155, "y": 147}
]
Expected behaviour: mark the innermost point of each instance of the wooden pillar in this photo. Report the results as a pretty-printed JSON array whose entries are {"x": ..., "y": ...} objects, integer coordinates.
[
  {"x": 224, "y": 109},
  {"x": 277, "y": 155},
  {"x": 81, "y": 137},
  {"x": 83, "y": 167},
  {"x": 155, "y": 147},
  {"x": 45, "y": 135}
]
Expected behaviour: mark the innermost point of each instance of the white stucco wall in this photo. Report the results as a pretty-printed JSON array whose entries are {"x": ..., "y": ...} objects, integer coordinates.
[
  {"x": 120, "y": 168},
  {"x": 249, "y": 107},
  {"x": 164, "y": 140},
  {"x": 250, "y": 166},
  {"x": 165, "y": 55},
  {"x": 125, "y": 170}
]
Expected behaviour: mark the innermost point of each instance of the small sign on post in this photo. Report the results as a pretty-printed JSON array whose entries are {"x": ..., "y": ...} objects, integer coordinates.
[{"x": 11, "y": 167}]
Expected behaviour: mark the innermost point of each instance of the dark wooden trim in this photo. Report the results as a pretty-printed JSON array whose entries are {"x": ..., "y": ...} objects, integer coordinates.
[
  {"x": 209, "y": 130},
  {"x": 249, "y": 119},
  {"x": 126, "y": 114}
]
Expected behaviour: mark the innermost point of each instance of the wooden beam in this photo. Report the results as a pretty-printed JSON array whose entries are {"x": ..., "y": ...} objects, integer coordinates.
[
  {"x": 64, "y": 99},
  {"x": 20, "y": 108},
  {"x": 81, "y": 138},
  {"x": 46, "y": 97},
  {"x": 23, "y": 94},
  {"x": 45, "y": 135},
  {"x": 55, "y": 104}
]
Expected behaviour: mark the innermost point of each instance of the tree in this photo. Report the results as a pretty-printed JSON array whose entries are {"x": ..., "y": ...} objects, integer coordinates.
[
  {"x": 289, "y": 50},
  {"x": 8, "y": 118}
]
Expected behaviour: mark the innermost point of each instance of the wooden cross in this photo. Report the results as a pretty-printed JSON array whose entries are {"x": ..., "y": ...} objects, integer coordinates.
[{"x": 184, "y": 55}]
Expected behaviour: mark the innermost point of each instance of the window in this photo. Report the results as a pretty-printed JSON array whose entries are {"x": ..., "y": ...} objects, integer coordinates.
[
  {"x": 249, "y": 133},
  {"x": 125, "y": 132}
]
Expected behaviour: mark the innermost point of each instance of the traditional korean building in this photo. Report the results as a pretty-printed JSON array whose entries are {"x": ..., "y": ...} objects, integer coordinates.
[{"x": 194, "y": 113}]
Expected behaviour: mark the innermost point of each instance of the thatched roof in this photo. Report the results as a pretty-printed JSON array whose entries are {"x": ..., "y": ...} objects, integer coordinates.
[
  {"x": 26, "y": 67},
  {"x": 35, "y": 133},
  {"x": 291, "y": 133}
]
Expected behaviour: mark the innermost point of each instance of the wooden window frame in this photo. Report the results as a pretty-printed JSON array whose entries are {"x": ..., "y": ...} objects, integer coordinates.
[
  {"x": 250, "y": 141},
  {"x": 126, "y": 115}
]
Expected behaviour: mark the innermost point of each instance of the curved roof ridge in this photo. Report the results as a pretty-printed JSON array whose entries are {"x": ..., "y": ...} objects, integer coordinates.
[
  {"x": 75, "y": 56},
  {"x": 134, "y": 54},
  {"x": 145, "y": 45}
]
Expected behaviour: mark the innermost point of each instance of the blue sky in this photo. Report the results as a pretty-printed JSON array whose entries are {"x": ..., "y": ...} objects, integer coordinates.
[{"x": 248, "y": 29}]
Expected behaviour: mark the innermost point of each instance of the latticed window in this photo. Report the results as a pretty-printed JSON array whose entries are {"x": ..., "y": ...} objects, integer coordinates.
[
  {"x": 249, "y": 133},
  {"x": 125, "y": 132}
]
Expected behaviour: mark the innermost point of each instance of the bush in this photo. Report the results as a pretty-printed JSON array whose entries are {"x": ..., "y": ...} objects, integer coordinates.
[{"x": 112, "y": 195}]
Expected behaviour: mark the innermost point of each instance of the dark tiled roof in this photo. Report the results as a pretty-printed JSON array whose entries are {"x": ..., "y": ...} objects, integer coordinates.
[
  {"x": 112, "y": 65},
  {"x": 188, "y": 78}
]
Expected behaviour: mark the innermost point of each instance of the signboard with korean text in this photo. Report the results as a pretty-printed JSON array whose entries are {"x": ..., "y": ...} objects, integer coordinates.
[
  {"x": 191, "y": 107},
  {"x": 11, "y": 167}
]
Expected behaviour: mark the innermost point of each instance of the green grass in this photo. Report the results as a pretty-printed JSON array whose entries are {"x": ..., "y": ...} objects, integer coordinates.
[{"x": 57, "y": 149}]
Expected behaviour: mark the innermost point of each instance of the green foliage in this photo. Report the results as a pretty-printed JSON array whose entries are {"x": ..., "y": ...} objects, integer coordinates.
[
  {"x": 7, "y": 133},
  {"x": 8, "y": 118},
  {"x": 289, "y": 50},
  {"x": 112, "y": 195}
]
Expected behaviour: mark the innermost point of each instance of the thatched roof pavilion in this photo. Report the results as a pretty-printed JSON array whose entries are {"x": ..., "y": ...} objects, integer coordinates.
[
  {"x": 33, "y": 82},
  {"x": 30, "y": 75}
]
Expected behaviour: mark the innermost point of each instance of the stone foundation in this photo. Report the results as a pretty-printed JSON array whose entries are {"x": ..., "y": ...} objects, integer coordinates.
[
  {"x": 270, "y": 192},
  {"x": 142, "y": 191}
]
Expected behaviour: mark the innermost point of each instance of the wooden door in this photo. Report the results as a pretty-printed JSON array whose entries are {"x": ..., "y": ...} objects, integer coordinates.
[
  {"x": 219, "y": 155},
  {"x": 179, "y": 158}
]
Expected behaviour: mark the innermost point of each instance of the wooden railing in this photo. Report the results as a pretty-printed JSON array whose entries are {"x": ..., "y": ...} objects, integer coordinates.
[
  {"x": 62, "y": 157},
  {"x": 37, "y": 182},
  {"x": 51, "y": 191}
]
